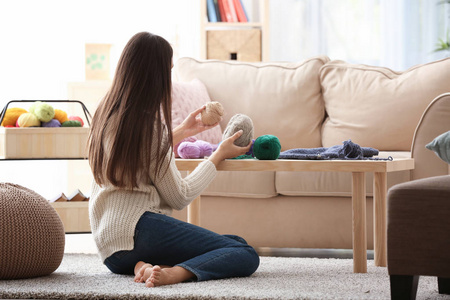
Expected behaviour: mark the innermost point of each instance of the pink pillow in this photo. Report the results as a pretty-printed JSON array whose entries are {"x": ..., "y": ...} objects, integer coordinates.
[{"x": 187, "y": 97}]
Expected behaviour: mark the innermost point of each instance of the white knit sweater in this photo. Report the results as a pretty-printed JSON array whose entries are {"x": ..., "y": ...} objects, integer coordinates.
[{"x": 114, "y": 212}]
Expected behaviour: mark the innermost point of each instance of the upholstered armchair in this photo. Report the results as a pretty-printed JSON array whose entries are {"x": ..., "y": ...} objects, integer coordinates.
[{"x": 419, "y": 235}]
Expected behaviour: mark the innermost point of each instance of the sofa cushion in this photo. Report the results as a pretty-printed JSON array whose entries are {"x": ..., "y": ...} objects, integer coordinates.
[
  {"x": 282, "y": 99},
  {"x": 333, "y": 183},
  {"x": 377, "y": 107},
  {"x": 441, "y": 146}
]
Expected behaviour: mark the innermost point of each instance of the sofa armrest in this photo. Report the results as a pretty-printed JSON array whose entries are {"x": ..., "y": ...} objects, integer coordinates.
[{"x": 435, "y": 121}]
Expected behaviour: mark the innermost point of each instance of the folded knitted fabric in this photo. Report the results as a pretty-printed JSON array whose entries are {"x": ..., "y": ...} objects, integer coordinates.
[{"x": 348, "y": 150}]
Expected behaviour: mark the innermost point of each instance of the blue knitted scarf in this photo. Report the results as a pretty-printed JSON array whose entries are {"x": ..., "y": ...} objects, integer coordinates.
[{"x": 348, "y": 150}]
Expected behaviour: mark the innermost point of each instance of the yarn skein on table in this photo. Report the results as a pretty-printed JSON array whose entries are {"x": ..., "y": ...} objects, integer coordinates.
[
  {"x": 236, "y": 123},
  {"x": 212, "y": 113},
  {"x": 197, "y": 149},
  {"x": 267, "y": 147}
]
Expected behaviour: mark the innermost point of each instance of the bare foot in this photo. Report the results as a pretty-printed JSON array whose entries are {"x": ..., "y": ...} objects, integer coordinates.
[
  {"x": 142, "y": 271},
  {"x": 167, "y": 276}
]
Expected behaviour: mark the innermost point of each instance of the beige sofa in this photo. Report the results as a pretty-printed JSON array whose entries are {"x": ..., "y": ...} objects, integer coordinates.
[{"x": 317, "y": 103}]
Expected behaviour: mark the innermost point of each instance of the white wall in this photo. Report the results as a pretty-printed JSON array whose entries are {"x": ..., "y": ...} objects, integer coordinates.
[
  {"x": 42, "y": 49},
  {"x": 42, "y": 42}
]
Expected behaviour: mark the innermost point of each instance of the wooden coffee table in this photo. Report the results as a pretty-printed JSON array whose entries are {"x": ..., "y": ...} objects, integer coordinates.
[{"x": 380, "y": 168}]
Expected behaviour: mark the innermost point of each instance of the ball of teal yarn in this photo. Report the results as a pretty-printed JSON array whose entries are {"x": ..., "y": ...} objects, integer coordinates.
[
  {"x": 71, "y": 123},
  {"x": 43, "y": 111},
  {"x": 267, "y": 147}
]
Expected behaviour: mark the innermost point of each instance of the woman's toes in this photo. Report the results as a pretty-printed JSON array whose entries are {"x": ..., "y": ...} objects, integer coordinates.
[
  {"x": 147, "y": 273},
  {"x": 154, "y": 278}
]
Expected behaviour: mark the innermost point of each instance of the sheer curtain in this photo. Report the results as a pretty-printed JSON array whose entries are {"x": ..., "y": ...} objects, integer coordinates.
[{"x": 392, "y": 33}]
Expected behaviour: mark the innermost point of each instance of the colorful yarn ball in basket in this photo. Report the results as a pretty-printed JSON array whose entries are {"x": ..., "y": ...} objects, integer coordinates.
[
  {"x": 267, "y": 147},
  {"x": 71, "y": 123},
  {"x": 12, "y": 115},
  {"x": 28, "y": 120},
  {"x": 51, "y": 123},
  {"x": 61, "y": 116},
  {"x": 43, "y": 111},
  {"x": 76, "y": 118}
]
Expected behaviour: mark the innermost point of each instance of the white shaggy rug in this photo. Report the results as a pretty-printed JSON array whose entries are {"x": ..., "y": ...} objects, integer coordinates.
[{"x": 82, "y": 276}]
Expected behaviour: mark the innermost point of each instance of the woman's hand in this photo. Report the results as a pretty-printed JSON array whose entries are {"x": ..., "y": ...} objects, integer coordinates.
[
  {"x": 227, "y": 149},
  {"x": 192, "y": 125}
]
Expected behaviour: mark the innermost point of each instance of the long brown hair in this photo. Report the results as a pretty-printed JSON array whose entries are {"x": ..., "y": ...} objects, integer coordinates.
[{"x": 131, "y": 114}]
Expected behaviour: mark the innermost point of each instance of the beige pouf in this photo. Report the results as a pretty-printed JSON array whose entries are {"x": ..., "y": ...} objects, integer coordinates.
[{"x": 31, "y": 234}]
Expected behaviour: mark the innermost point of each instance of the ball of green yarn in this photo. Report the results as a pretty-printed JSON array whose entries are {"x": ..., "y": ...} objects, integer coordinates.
[
  {"x": 33, "y": 106},
  {"x": 43, "y": 111},
  {"x": 71, "y": 123},
  {"x": 267, "y": 147}
]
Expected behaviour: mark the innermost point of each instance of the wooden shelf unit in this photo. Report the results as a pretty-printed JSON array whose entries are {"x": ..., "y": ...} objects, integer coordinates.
[
  {"x": 262, "y": 24},
  {"x": 74, "y": 215}
]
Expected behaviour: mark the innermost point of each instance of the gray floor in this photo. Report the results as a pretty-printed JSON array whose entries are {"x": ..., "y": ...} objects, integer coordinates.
[
  {"x": 300, "y": 252},
  {"x": 84, "y": 243}
]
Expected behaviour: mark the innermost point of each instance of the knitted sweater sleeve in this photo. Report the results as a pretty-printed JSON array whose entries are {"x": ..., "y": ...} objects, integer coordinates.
[{"x": 177, "y": 191}]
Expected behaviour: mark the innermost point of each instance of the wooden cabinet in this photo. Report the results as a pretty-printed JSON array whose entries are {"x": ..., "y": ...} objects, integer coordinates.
[
  {"x": 243, "y": 41},
  {"x": 74, "y": 215}
]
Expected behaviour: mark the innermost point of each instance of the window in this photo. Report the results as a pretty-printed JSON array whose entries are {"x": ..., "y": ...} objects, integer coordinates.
[{"x": 392, "y": 33}]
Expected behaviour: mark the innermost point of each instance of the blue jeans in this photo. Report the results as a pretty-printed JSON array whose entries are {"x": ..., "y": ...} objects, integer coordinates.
[{"x": 163, "y": 240}]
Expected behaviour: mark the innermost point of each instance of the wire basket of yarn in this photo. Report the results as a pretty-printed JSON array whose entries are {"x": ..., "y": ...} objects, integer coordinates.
[{"x": 41, "y": 114}]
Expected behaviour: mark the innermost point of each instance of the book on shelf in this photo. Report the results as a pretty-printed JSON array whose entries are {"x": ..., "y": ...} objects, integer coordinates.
[
  {"x": 221, "y": 11},
  {"x": 240, "y": 11},
  {"x": 58, "y": 198},
  {"x": 233, "y": 14},
  {"x": 212, "y": 17},
  {"x": 226, "y": 11},
  {"x": 216, "y": 7},
  {"x": 76, "y": 196},
  {"x": 223, "y": 17}
]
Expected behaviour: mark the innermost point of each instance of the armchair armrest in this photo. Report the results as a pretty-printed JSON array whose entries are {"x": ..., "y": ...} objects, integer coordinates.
[{"x": 435, "y": 121}]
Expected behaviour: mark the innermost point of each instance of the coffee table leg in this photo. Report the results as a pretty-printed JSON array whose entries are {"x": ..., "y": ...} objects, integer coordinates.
[
  {"x": 380, "y": 219},
  {"x": 193, "y": 212},
  {"x": 359, "y": 222}
]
